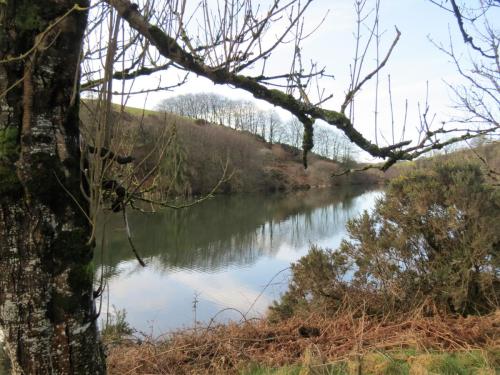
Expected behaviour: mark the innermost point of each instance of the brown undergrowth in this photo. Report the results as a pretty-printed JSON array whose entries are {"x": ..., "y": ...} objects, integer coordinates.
[{"x": 230, "y": 348}]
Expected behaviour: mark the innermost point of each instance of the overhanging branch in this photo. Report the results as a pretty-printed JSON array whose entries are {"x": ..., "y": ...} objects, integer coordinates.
[
  {"x": 169, "y": 48},
  {"x": 304, "y": 111},
  {"x": 126, "y": 75}
]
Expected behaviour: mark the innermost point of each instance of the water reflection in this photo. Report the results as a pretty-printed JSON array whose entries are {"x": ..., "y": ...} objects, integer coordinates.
[{"x": 224, "y": 250}]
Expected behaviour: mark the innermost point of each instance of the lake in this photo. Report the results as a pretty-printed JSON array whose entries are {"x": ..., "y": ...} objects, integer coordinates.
[{"x": 223, "y": 256}]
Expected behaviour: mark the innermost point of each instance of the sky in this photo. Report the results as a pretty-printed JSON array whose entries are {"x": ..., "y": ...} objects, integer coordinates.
[{"x": 416, "y": 66}]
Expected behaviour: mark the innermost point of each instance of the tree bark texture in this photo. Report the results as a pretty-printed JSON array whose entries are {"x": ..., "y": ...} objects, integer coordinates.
[{"x": 46, "y": 273}]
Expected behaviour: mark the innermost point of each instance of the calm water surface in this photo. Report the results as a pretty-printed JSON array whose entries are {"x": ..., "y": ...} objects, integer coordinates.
[{"x": 222, "y": 253}]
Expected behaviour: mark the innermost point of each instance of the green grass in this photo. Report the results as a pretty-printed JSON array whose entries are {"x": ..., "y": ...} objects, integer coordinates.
[
  {"x": 258, "y": 370},
  {"x": 135, "y": 111},
  {"x": 397, "y": 367},
  {"x": 405, "y": 362},
  {"x": 332, "y": 369},
  {"x": 130, "y": 110},
  {"x": 469, "y": 363}
]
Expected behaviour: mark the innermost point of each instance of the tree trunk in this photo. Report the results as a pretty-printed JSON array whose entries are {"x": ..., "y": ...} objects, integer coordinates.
[{"x": 46, "y": 274}]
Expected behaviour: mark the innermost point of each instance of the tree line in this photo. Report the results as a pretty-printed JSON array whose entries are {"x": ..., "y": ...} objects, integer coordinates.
[{"x": 245, "y": 115}]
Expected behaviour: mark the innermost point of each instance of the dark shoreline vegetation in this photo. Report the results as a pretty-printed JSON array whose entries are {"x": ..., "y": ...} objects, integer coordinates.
[
  {"x": 414, "y": 290},
  {"x": 254, "y": 163},
  {"x": 190, "y": 157}
]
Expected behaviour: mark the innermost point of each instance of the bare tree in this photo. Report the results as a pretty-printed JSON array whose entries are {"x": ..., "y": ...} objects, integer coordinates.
[
  {"x": 295, "y": 132},
  {"x": 478, "y": 98}
]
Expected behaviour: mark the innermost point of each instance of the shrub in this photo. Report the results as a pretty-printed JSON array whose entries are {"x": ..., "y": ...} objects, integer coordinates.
[
  {"x": 116, "y": 327},
  {"x": 433, "y": 239}
]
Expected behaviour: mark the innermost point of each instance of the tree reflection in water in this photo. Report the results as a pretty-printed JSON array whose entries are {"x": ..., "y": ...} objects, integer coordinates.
[{"x": 247, "y": 237}]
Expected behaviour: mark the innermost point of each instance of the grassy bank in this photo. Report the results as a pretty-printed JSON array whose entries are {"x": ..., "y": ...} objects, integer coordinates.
[
  {"x": 399, "y": 362},
  {"x": 344, "y": 344}
]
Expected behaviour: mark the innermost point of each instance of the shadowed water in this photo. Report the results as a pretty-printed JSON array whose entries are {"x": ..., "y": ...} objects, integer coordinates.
[{"x": 221, "y": 254}]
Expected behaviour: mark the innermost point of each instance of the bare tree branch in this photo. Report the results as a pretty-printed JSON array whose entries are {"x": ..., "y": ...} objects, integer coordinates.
[
  {"x": 467, "y": 37},
  {"x": 169, "y": 48}
]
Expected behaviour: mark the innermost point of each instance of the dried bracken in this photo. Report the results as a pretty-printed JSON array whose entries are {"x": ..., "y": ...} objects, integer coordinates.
[{"x": 227, "y": 349}]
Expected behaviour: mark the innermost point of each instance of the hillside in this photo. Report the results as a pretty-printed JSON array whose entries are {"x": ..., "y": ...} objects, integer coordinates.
[
  {"x": 190, "y": 156},
  {"x": 190, "y": 160}
]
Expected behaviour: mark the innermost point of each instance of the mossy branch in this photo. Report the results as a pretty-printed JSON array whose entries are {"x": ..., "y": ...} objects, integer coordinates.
[
  {"x": 307, "y": 113},
  {"x": 169, "y": 48}
]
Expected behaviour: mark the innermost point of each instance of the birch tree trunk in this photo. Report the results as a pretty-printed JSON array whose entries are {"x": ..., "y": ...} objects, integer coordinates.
[{"x": 46, "y": 273}]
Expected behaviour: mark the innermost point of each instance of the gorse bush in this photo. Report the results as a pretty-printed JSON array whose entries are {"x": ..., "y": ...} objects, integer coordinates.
[{"x": 432, "y": 240}]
